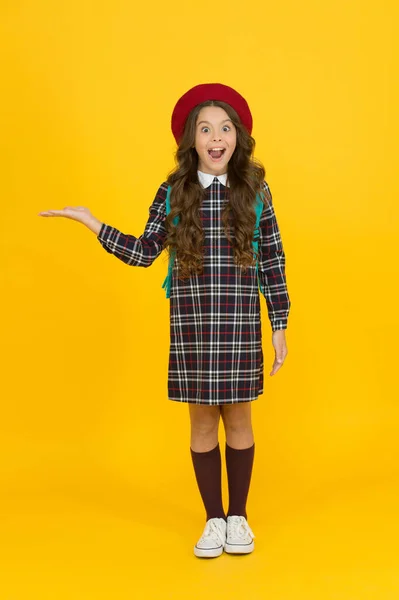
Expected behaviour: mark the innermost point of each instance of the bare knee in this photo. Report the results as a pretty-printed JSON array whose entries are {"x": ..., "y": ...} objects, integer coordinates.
[
  {"x": 204, "y": 427},
  {"x": 238, "y": 425}
]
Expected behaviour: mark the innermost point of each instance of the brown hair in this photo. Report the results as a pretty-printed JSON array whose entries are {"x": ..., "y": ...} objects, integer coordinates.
[{"x": 245, "y": 176}]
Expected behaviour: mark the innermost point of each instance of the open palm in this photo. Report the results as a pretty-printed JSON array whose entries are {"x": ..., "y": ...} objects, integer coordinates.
[{"x": 76, "y": 213}]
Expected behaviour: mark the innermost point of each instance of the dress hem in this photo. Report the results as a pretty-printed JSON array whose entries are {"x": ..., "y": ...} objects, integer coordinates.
[{"x": 206, "y": 403}]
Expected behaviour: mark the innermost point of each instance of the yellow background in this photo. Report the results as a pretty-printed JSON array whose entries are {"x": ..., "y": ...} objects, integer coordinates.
[{"x": 98, "y": 497}]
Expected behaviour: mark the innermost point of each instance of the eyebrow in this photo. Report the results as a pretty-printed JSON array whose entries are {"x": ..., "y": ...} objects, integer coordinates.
[{"x": 211, "y": 123}]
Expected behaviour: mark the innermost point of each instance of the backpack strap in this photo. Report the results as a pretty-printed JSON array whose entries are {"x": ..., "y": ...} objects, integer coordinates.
[
  {"x": 255, "y": 241},
  {"x": 168, "y": 278},
  {"x": 258, "y": 210}
]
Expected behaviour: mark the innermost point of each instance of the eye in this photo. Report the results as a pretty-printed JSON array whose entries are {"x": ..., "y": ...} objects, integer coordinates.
[{"x": 224, "y": 127}]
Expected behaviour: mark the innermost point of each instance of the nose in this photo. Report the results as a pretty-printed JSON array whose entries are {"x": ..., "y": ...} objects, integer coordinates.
[{"x": 216, "y": 137}]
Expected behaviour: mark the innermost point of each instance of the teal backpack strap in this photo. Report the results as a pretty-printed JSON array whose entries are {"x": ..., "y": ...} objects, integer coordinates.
[
  {"x": 168, "y": 279},
  {"x": 255, "y": 244}
]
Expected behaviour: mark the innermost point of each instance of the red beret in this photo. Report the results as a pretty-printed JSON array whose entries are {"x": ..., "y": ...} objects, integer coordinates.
[{"x": 209, "y": 91}]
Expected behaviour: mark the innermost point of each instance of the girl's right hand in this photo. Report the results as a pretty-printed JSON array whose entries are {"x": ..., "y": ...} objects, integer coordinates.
[{"x": 76, "y": 213}]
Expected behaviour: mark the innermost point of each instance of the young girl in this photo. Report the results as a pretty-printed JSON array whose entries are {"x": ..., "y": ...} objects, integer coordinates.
[{"x": 216, "y": 359}]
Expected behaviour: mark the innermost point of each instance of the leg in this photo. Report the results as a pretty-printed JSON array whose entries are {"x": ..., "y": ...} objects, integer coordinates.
[
  {"x": 206, "y": 457},
  {"x": 240, "y": 449},
  {"x": 204, "y": 426},
  {"x": 237, "y": 424}
]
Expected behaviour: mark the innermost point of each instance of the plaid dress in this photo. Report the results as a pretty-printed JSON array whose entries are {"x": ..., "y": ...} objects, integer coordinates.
[{"x": 215, "y": 325}]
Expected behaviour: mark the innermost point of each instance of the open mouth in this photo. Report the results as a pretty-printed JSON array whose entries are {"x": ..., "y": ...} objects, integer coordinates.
[{"x": 216, "y": 153}]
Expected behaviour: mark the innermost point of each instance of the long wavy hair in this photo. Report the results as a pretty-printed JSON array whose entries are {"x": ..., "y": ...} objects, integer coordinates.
[{"x": 245, "y": 176}]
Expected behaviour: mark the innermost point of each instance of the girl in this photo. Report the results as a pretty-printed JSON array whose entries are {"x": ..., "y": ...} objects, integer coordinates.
[{"x": 216, "y": 359}]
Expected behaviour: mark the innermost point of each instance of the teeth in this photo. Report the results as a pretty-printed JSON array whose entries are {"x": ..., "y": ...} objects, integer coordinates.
[{"x": 215, "y": 149}]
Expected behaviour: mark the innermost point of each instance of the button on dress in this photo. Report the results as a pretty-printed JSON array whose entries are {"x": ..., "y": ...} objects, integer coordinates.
[{"x": 215, "y": 352}]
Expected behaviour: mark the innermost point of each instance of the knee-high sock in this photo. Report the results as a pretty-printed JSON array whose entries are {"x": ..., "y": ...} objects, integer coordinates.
[
  {"x": 208, "y": 472},
  {"x": 239, "y": 464}
]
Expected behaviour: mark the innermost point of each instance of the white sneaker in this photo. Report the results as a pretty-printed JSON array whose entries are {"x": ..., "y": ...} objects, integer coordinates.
[
  {"x": 240, "y": 536},
  {"x": 212, "y": 541}
]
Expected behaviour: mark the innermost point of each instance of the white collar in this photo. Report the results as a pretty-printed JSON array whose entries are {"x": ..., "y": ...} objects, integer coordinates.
[{"x": 206, "y": 179}]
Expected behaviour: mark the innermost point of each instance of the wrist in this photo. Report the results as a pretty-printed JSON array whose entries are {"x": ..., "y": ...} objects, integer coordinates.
[{"x": 94, "y": 225}]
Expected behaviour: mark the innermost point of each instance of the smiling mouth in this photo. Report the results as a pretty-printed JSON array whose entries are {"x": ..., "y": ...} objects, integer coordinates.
[{"x": 216, "y": 153}]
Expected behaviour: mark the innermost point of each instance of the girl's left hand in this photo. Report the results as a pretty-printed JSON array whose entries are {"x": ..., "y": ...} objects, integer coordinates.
[{"x": 280, "y": 347}]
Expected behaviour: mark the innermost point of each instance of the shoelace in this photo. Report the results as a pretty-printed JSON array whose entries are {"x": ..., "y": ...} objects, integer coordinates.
[
  {"x": 214, "y": 531},
  {"x": 238, "y": 527}
]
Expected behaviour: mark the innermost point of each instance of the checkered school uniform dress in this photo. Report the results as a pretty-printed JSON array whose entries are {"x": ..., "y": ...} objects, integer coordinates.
[{"x": 215, "y": 324}]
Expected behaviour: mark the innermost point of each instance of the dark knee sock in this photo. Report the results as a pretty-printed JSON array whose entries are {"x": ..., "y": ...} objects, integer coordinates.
[
  {"x": 208, "y": 472},
  {"x": 239, "y": 464}
]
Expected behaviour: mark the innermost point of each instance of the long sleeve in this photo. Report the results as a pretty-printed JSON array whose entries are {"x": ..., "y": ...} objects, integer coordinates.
[
  {"x": 271, "y": 267},
  {"x": 142, "y": 251}
]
